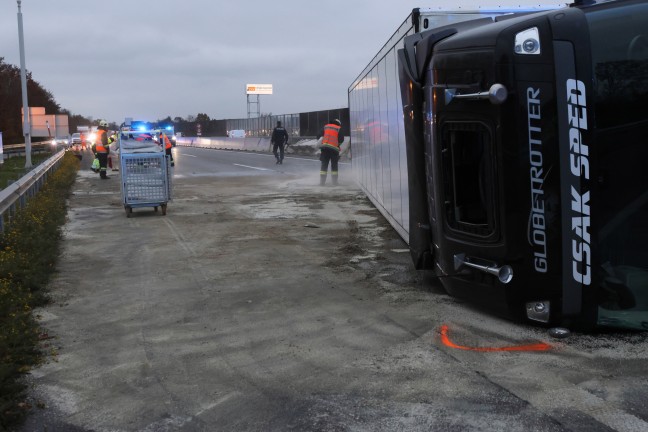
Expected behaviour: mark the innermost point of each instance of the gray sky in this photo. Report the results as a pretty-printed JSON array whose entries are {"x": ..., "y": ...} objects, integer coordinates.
[{"x": 149, "y": 59}]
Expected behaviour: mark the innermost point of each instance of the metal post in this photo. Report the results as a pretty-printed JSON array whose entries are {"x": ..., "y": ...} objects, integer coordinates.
[
  {"x": 250, "y": 103},
  {"x": 23, "y": 81}
]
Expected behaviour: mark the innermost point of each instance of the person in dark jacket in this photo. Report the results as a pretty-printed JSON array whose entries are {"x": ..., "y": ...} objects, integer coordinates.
[
  {"x": 278, "y": 140},
  {"x": 330, "y": 150}
]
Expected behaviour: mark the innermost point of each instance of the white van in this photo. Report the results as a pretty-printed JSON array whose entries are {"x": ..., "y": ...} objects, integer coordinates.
[{"x": 236, "y": 133}]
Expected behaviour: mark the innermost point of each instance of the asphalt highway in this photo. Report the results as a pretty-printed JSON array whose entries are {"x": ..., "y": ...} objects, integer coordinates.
[{"x": 264, "y": 302}]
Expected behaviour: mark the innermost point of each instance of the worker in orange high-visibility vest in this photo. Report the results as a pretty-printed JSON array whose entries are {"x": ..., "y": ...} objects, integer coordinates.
[
  {"x": 100, "y": 147},
  {"x": 167, "y": 147},
  {"x": 82, "y": 137},
  {"x": 330, "y": 150}
]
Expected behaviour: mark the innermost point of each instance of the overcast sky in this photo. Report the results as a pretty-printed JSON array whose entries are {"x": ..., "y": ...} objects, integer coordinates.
[{"x": 149, "y": 59}]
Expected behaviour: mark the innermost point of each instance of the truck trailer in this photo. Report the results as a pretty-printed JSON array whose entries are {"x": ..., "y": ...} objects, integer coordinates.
[{"x": 506, "y": 146}]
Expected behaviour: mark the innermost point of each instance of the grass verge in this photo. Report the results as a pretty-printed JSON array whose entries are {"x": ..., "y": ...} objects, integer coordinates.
[
  {"x": 13, "y": 169},
  {"x": 28, "y": 252}
]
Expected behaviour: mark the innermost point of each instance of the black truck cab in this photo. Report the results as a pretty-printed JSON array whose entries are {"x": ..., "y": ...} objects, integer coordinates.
[{"x": 526, "y": 138}]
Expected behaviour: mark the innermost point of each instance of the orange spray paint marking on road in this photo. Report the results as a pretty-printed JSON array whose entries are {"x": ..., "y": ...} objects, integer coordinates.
[{"x": 541, "y": 346}]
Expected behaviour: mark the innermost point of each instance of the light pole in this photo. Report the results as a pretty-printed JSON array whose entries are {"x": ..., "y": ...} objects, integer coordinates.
[{"x": 23, "y": 81}]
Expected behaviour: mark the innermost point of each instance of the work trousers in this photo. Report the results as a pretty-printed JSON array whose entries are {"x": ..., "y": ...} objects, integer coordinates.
[
  {"x": 332, "y": 156},
  {"x": 170, "y": 156},
  {"x": 278, "y": 155},
  {"x": 103, "y": 163}
]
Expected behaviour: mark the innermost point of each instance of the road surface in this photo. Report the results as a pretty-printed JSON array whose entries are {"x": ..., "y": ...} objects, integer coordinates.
[{"x": 264, "y": 302}]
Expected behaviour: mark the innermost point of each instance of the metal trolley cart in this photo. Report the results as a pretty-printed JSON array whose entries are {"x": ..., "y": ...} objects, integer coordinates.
[{"x": 145, "y": 173}]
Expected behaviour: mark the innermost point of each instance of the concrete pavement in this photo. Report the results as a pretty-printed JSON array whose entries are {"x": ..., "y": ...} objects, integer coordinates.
[{"x": 266, "y": 303}]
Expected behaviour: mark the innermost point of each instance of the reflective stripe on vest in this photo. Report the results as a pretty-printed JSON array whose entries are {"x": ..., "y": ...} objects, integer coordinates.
[
  {"x": 331, "y": 134},
  {"x": 99, "y": 146}
]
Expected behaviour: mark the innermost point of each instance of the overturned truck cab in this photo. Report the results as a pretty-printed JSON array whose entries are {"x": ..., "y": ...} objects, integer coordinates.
[{"x": 526, "y": 139}]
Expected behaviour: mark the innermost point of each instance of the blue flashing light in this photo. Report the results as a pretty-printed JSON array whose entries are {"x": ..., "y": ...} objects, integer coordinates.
[
  {"x": 141, "y": 128},
  {"x": 168, "y": 128}
]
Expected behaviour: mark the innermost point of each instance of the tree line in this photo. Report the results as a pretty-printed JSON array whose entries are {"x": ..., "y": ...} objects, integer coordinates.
[
  {"x": 11, "y": 101},
  {"x": 192, "y": 124},
  {"x": 200, "y": 124},
  {"x": 39, "y": 96}
]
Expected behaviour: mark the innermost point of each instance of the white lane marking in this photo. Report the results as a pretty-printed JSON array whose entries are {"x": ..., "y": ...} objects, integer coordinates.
[
  {"x": 251, "y": 167},
  {"x": 185, "y": 154}
]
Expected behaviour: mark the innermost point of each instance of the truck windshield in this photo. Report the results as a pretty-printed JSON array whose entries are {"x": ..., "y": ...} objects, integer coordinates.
[{"x": 619, "y": 40}]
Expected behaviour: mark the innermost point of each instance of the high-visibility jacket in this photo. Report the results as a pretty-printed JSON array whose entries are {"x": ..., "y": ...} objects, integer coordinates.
[
  {"x": 101, "y": 144},
  {"x": 331, "y": 137},
  {"x": 167, "y": 143}
]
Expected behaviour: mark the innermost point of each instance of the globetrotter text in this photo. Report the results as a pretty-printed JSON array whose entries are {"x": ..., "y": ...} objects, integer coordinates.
[{"x": 537, "y": 220}]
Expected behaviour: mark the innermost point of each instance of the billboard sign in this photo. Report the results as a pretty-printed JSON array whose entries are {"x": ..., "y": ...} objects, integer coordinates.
[
  {"x": 258, "y": 89},
  {"x": 49, "y": 125},
  {"x": 46, "y": 125}
]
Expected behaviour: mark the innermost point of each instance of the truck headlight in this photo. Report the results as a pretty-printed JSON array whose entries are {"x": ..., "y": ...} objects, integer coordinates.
[{"x": 527, "y": 42}]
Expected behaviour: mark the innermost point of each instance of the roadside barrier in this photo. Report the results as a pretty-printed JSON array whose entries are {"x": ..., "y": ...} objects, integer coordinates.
[
  {"x": 16, "y": 195},
  {"x": 10, "y": 150},
  {"x": 246, "y": 144},
  {"x": 304, "y": 146}
]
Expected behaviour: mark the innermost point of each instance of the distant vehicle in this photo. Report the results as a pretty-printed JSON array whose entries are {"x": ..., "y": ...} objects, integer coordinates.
[
  {"x": 168, "y": 130},
  {"x": 90, "y": 133},
  {"x": 75, "y": 140},
  {"x": 152, "y": 130},
  {"x": 236, "y": 133},
  {"x": 140, "y": 125},
  {"x": 61, "y": 141}
]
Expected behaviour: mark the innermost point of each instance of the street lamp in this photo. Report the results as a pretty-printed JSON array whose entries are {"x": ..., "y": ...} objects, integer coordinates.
[{"x": 23, "y": 81}]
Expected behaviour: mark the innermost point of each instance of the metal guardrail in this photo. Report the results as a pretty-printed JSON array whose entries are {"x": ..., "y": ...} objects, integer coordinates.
[
  {"x": 10, "y": 150},
  {"x": 304, "y": 146},
  {"x": 16, "y": 195}
]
